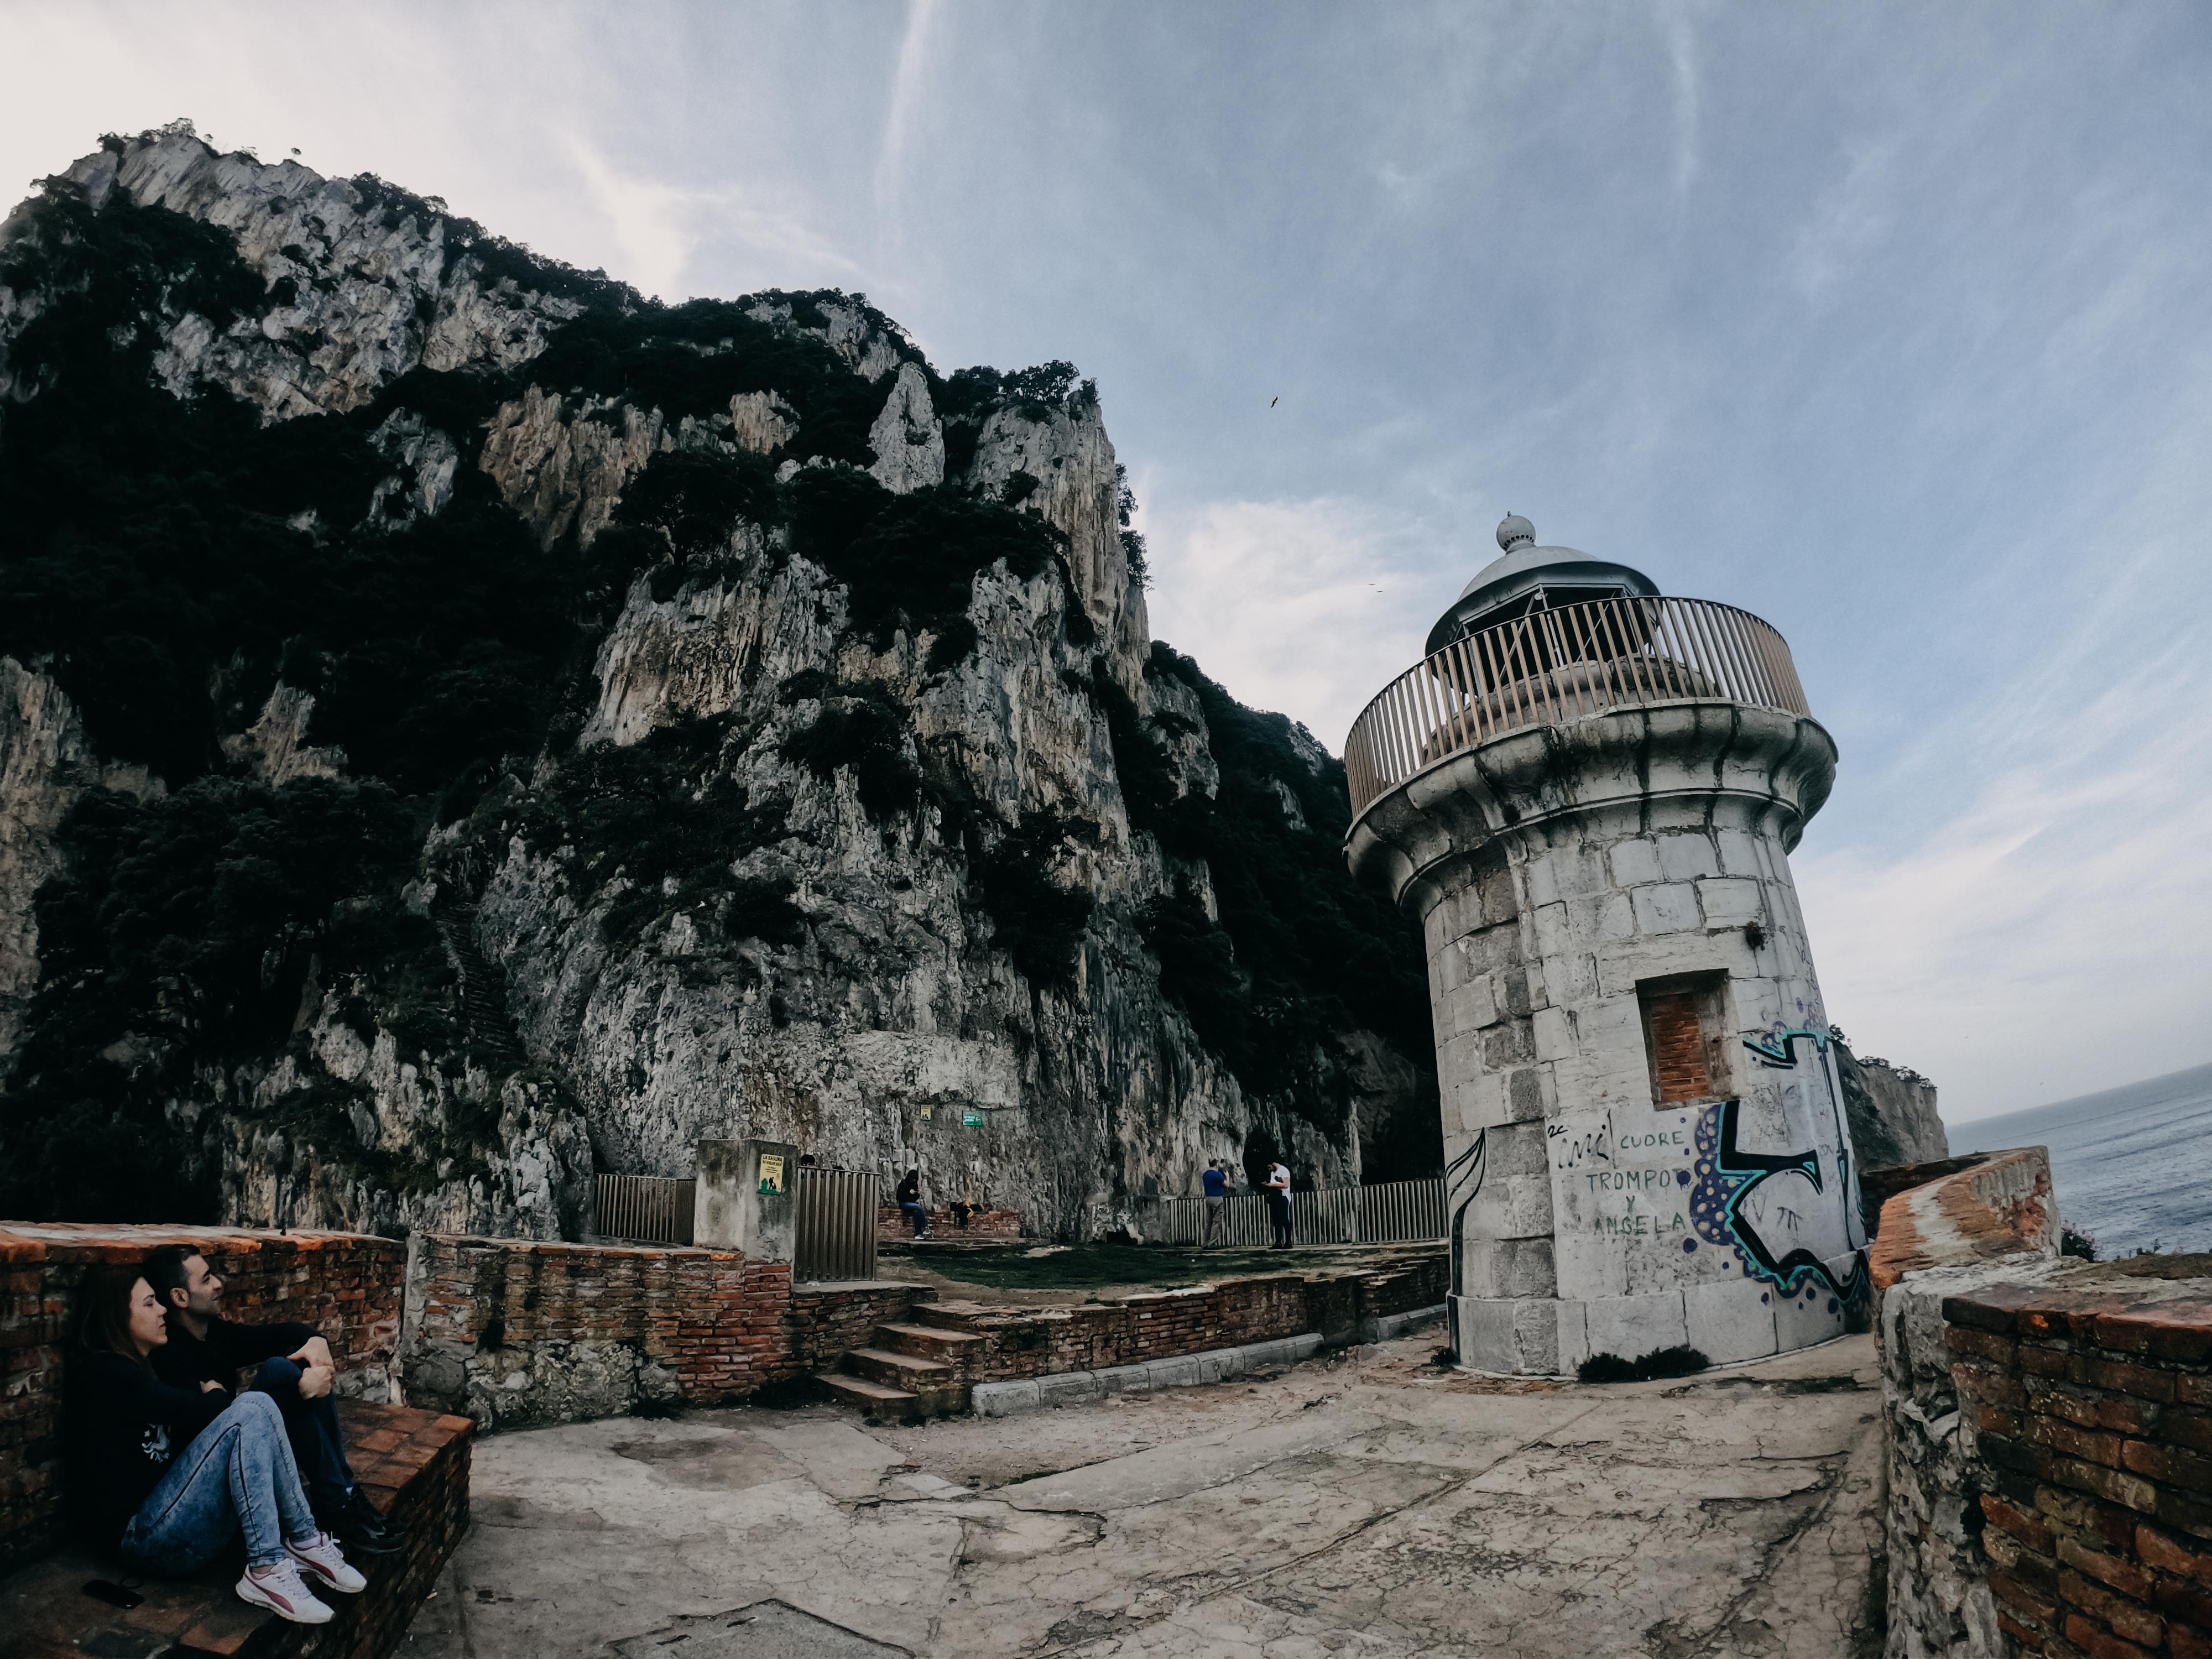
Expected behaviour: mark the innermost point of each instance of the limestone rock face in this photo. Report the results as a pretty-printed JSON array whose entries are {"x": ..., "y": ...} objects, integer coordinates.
[
  {"x": 375, "y": 289},
  {"x": 1891, "y": 1111},
  {"x": 46, "y": 765},
  {"x": 275, "y": 748},
  {"x": 944, "y": 890},
  {"x": 1070, "y": 457},
  {"x": 529, "y": 1175},
  {"x": 909, "y": 445}
]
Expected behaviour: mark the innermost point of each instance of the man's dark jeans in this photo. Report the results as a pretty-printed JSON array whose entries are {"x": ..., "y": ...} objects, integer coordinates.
[{"x": 311, "y": 1425}]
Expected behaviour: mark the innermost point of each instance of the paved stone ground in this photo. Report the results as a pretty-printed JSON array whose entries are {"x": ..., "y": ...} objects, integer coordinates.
[{"x": 1363, "y": 1504}]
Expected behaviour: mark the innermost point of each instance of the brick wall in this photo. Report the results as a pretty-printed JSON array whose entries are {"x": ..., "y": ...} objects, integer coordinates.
[
  {"x": 345, "y": 1285},
  {"x": 826, "y": 1322},
  {"x": 1027, "y": 1342},
  {"x": 510, "y": 1333},
  {"x": 984, "y": 1226},
  {"x": 2088, "y": 1403}
]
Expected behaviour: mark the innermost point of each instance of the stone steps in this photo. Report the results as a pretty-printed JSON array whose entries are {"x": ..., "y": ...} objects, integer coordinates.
[
  {"x": 875, "y": 1402},
  {"x": 889, "y": 1379},
  {"x": 947, "y": 1346}
]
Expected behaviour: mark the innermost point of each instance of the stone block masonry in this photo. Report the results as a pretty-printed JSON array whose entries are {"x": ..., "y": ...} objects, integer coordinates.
[{"x": 345, "y": 1285}]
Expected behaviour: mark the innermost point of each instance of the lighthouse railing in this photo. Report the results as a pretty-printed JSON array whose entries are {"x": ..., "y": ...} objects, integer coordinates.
[{"x": 1550, "y": 666}]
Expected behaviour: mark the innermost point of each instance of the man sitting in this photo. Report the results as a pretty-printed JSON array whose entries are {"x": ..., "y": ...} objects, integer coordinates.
[{"x": 294, "y": 1369}]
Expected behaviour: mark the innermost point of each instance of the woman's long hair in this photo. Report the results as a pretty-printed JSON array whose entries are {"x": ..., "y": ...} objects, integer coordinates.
[{"x": 104, "y": 1314}]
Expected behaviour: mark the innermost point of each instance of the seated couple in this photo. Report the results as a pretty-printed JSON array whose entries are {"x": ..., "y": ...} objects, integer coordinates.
[{"x": 169, "y": 1467}]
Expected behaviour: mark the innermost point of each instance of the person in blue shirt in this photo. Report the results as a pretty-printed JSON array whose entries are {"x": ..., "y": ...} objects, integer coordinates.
[{"x": 1217, "y": 1202}]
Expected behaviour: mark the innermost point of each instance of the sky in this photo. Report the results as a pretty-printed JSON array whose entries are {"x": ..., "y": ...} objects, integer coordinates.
[{"x": 1891, "y": 323}]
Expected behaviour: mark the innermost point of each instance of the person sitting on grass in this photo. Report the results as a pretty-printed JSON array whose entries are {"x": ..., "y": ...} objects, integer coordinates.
[
  {"x": 169, "y": 1477},
  {"x": 293, "y": 1367}
]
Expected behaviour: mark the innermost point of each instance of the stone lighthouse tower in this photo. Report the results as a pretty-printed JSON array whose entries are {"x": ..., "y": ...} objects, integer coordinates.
[{"x": 1588, "y": 792}]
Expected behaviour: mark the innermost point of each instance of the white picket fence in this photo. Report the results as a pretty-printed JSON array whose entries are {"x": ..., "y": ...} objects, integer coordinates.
[{"x": 1388, "y": 1212}]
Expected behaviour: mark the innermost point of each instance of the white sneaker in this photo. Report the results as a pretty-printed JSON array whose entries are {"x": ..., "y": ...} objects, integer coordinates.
[
  {"x": 279, "y": 1587},
  {"x": 321, "y": 1560}
]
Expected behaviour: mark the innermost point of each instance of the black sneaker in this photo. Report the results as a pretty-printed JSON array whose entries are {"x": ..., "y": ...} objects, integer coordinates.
[{"x": 365, "y": 1532}]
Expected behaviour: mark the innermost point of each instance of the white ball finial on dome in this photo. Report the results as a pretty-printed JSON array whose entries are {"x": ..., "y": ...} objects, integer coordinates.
[{"x": 1514, "y": 530}]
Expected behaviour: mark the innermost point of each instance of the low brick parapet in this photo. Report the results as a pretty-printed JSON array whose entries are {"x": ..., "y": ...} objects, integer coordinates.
[
  {"x": 2086, "y": 1414},
  {"x": 1021, "y": 1343}
]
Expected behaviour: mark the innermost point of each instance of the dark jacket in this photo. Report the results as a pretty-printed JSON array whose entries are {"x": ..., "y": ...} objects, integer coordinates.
[
  {"x": 185, "y": 1362},
  {"x": 909, "y": 1190},
  {"x": 126, "y": 1427}
]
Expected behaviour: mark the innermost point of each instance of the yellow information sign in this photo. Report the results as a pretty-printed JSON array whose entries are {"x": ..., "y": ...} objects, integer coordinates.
[{"x": 771, "y": 1172}]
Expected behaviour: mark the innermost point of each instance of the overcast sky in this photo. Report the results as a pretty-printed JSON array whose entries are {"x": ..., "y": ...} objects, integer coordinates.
[{"x": 1892, "y": 324}]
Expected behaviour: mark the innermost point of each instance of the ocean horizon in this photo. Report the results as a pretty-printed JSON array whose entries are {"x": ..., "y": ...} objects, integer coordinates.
[{"x": 2130, "y": 1164}]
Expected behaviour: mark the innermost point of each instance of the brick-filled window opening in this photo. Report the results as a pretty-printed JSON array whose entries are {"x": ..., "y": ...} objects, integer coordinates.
[{"x": 1685, "y": 1036}]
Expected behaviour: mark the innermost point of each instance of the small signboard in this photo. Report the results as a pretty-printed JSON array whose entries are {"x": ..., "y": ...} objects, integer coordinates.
[
  {"x": 925, "y": 1112},
  {"x": 971, "y": 1120},
  {"x": 771, "y": 1172}
]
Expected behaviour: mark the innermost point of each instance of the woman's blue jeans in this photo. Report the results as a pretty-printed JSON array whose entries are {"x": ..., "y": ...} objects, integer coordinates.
[
  {"x": 920, "y": 1218},
  {"x": 237, "y": 1476}
]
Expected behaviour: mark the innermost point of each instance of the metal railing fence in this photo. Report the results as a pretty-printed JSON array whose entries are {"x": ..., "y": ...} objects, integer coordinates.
[
  {"x": 837, "y": 1224},
  {"x": 1388, "y": 1212},
  {"x": 648, "y": 1209},
  {"x": 1550, "y": 666}
]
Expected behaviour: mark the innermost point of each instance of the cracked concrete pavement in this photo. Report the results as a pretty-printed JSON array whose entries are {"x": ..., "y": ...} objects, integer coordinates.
[{"x": 1364, "y": 1503}]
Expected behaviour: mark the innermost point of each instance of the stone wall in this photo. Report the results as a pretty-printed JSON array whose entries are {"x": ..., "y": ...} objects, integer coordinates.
[
  {"x": 347, "y": 1285},
  {"x": 510, "y": 1333},
  {"x": 1971, "y": 1223}
]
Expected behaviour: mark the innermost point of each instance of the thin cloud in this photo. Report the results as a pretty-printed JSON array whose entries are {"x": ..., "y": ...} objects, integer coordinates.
[
  {"x": 661, "y": 226},
  {"x": 1305, "y": 606}
]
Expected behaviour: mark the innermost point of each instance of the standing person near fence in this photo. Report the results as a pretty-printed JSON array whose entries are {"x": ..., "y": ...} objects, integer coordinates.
[
  {"x": 1279, "y": 1203},
  {"x": 1217, "y": 1203}
]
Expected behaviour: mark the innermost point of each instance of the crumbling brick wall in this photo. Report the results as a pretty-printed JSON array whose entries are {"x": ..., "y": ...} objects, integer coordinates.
[
  {"x": 345, "y": 1285},
  {"x": 510, "y": 1332},
  {"x": 2088, "y": 1400},
  {"x": 1027, "y": 1342}
]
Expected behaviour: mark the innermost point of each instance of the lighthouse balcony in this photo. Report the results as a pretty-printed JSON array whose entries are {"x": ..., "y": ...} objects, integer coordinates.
[{"x": 1561, "y": 664}]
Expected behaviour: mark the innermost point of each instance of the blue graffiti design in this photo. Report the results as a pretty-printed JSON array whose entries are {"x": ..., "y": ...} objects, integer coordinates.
[
  {"x": 1731, "y": 1176},
  {"x": 1774, "y": 1047}
]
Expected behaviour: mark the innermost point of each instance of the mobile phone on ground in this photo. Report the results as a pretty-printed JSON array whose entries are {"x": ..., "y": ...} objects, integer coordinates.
[{"x": 114, "y": 1594}]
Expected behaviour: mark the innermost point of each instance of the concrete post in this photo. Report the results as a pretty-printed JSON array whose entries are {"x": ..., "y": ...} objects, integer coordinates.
[{"x": 746, "y": 1198}]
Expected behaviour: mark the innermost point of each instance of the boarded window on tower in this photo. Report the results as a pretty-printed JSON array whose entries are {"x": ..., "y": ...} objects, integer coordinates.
[{"x": 1685, "y": 1036}]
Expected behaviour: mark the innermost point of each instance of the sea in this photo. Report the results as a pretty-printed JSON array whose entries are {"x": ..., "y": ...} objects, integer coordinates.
[{"x": 2133, "y": 1166}]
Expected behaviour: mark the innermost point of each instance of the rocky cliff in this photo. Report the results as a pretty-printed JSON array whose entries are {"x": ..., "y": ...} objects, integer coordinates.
[
  {"x": 1892, "y": 1110},
  {"x": 467, "y": 725}
]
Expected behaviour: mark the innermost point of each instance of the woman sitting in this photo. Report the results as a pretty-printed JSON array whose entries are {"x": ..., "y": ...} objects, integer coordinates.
[{"x": 170, "y": 1476}]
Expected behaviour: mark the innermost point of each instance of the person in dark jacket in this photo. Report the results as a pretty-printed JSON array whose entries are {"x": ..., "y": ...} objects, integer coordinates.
[
  {"x": 167, "y": 1477},
  {"x": 292, "y": 1365},
  {"x": 909, "y": 1199}
]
